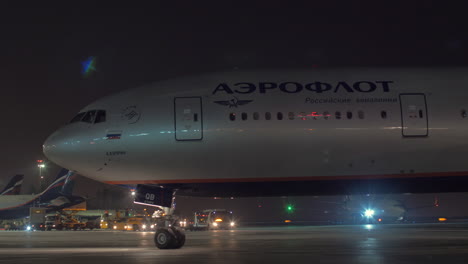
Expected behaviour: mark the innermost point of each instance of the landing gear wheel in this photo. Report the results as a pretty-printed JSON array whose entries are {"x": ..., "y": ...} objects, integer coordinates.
[
  {"x": 171, "y": 238},
  {"x": 180, "y": 235},
  {"x": 164, "y": 239}
]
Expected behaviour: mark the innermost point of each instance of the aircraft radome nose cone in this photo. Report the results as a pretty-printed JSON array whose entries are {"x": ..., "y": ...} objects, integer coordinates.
[{"x": 50, "y": 147}]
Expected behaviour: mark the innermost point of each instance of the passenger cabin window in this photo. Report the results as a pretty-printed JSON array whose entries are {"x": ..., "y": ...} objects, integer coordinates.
[
  {"x": 279, "y": 116},
  {"x": 100, "y": 116},
  {"x": 338, "y": 115},
  {"x": 89, "y": 117},
  {"x": 256, "y": 116},
  {"x": 78, "y": 117},
  {"x": 267, "y": 115},
  {"x": 463, "y": 113},
  {"x": 349, "y": 115},
  {"x": 361, "y": 114},
  {"x": 291, "y": 115},
  {"x": 383, "y": 114},
  {"x": 244, "y": 116},
  {"x": 326, "y": 115},
  {"x": 232, "y": 116},
  {"x": 303, "y": 116}
]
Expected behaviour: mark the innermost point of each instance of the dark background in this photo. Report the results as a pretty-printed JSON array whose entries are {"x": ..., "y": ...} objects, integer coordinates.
[{"x": 42, "y": 47}]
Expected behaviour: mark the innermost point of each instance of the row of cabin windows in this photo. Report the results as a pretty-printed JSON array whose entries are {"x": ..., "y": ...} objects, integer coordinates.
[{"x": 304, "y": 116}]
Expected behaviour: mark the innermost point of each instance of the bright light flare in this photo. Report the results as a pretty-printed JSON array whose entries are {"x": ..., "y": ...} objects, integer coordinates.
[{"x": 369, "y": 213}]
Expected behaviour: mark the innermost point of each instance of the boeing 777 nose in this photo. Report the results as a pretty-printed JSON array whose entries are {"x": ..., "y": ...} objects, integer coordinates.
[
  {"x": 63, "y": 148},
  {"x": 53, "y": 148}
]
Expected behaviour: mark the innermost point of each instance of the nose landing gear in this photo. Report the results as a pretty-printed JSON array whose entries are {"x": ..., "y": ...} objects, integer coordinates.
[{"x": 169, "y": 235}]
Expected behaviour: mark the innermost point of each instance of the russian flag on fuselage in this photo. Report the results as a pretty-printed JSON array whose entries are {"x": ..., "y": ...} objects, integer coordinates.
[{"x": 114, "y": 135}]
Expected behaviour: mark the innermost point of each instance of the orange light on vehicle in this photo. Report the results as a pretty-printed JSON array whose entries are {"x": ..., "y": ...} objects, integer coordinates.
[
  {"x": 287, "y": 221},
  {"x": 218, "y": 220},
  {"x": 442, "y": 219},
  {"x": 380, "y": 219}
]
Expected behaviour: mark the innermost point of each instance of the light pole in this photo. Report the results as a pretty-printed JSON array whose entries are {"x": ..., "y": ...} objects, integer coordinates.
[
  {"x": 41, "y": 165},
  {"x": 133, "y": 193}
]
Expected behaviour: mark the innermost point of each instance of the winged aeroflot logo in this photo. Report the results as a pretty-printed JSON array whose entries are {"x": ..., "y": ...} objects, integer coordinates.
[{"x": 233, "y": 102}]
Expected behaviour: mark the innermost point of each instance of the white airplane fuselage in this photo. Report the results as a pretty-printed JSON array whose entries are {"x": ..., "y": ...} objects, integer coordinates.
[{"x": 345, "y": 124}]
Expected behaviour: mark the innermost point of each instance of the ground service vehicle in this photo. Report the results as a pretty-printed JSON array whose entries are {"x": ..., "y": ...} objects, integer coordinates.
[
  {"x": 200, "y": 222},
  {"x": 219, "y": 219},
  {"x": 36, "y": 218},
  {"x": 53, "y": 222},
  {"x": 137, "y": 223},
  {"x": 212, "y": 219},
  {"x": 63, "y": 220}
]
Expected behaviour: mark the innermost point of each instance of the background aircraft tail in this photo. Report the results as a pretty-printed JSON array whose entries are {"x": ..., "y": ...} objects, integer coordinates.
[
  {"x": 67, "y": 188},
  {"x": 14, "y": 186},
  {"x": 62, "y": 185}
]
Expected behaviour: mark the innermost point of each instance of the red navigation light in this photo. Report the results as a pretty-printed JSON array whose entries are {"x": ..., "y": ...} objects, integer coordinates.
[{"x": 40, "y": 161}]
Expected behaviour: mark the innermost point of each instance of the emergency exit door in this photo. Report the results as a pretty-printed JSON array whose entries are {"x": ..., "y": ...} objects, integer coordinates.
[
  {"x": 188, "y": 118},
  {"x": 414, "y": 121}
]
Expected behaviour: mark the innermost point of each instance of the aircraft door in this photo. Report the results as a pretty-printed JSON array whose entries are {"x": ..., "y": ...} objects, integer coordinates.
[
  {"x": 188, "y": 118},
  {"x": 414, "y": 120}
]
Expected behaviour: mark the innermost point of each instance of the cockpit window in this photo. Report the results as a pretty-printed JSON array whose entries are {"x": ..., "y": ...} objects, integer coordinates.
[
  {"x": 78, "y": 117},
  {"x": 100, "y": 116},
  {"x": 89, "y": 117}
]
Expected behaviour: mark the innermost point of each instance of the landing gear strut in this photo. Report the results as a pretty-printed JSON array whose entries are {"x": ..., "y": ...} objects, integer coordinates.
[{"x": 169, "y": 235}]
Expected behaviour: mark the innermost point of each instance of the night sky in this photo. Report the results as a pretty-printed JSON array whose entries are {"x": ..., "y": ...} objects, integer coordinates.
[{"x": 41, "y": 51}]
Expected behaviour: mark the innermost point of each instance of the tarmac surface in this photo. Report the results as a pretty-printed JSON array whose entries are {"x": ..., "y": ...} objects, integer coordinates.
[{"x": 411, "y": 243}]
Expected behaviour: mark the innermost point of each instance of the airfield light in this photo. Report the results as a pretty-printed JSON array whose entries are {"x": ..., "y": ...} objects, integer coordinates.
[
  {"x": 233, "y": 224},
  {"x": 133, "y": 193},
  {"x": 369, "y": 213},
  {"x": 215, "y": 224}
]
